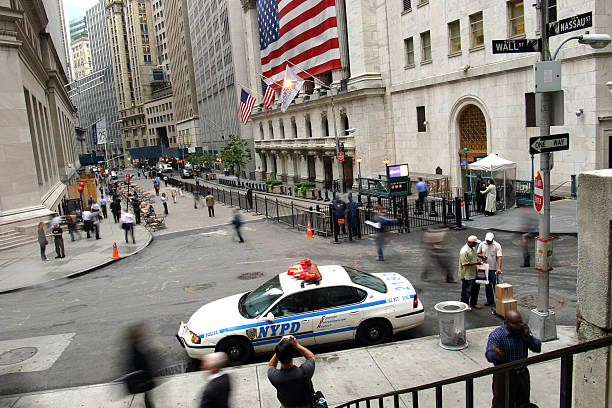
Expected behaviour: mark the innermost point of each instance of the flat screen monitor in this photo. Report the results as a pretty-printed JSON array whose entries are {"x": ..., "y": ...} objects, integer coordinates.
[{"x": 397, "y": 170}]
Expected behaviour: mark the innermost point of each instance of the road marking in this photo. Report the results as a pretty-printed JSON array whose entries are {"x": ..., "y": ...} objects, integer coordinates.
[
  {"x": 218, "y": 232},
  {"x": 50, "y": 348}
]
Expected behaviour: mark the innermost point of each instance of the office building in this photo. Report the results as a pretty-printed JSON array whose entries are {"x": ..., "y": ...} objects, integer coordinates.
[{"x": 80, "y": 49}]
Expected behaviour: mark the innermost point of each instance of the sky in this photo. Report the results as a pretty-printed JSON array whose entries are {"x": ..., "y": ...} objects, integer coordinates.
[{"x": 77, "y": 8}]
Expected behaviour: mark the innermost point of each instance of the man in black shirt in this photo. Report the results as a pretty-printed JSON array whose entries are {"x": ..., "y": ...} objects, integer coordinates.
[
  {"x": 216, "y": 392},
  {"x": 136, "y": 206},
  {"x": 292, "y": 383},
  {"x": 59, "y": 241}
]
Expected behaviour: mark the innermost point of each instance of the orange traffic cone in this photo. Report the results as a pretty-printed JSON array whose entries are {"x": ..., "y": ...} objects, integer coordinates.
[
  {"x": 115, "y": 252},
  {"x": 309, "y": 233}
]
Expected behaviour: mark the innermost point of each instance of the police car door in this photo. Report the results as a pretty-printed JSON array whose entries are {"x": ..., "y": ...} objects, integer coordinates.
[
  {"x": 292, "y": 316},
  {"x": 338, "y": 311}
]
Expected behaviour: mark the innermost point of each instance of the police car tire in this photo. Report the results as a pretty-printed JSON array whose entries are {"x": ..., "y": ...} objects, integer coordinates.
[
  {"x": 373, "y": 331},
  {"x": 239, "y": 350}
]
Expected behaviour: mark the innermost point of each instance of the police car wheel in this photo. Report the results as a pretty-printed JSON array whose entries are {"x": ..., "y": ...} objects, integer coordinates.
[
  {"x": 374, "y": 331},
  {"x": 239, "y": 351}
]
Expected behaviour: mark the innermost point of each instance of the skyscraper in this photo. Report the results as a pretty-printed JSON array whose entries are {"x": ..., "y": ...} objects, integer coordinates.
[{"x": 80, "y": 49}]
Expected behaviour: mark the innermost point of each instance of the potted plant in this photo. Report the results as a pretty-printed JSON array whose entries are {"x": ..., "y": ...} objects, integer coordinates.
[
  {"x": 274, "y": 186},
  {"x": 305, "y": 189}
]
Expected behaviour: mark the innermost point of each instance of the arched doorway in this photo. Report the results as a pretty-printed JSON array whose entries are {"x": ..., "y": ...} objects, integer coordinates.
[{"x": 472, "y": 135}]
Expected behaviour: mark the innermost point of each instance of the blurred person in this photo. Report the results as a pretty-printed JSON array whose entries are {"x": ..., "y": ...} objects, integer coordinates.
[
  {"x": 127, "y": 224},
  {"x": 291, "y": 389},
  {"x": 338, "y": 209},
  {"x": 174, "y": 193},
  {"x": 530, "y": 227},
  {"x": 140, "y": 358},
  {"x": 210, "y": 203},
  {"x": 103, "y": 204},
  {"x": 491, "y": 198},
  {"x": 507, "y": 343},
  {"x": 90, "y": 201},
  {"x": 490, "y": 251},
  {"x": 156, "y": 187},
  {"x": 72, "y": 227},
  {"x": 423, "y": 191},
  {"x": 237, "y": 223},
  {"x": 164, "y": 201},
  {"x": 436, "y": 245},
  {"x": 57, "y": 232},
  {"x": 379, "y": 220},
  {"x": 95, "y": 219},
  {"x": 180, "y": 189},
  {"x": 87, "y": 221},
  {"x": 216, "y": 393},
  {"x": 42, "y": 240},
  {"x": 353, "y": 210},
  {"x": 468, "y": 262},
  {"x": 115, "y": 207}
]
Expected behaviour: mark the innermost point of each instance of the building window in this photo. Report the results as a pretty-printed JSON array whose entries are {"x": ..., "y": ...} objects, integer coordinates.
[
  {"x": 516, "y": 18},
  {"x": 407, "y": 5},
  {"x": 294, "y": 128},
  {"x": 308, "y": 127},
  {"x": 476, "y": 29},
  {"x": 454, "y": 37},
  {"x": 425, "y": 47},
  {"x": 421, "y": 125},
  {"x": 409, "y": 50}
]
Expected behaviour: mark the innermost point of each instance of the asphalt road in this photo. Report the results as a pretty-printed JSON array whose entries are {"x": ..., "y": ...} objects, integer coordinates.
[{"x": 177, "y": 273}]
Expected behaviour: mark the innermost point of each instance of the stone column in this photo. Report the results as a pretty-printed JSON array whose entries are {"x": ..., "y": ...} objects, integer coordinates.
[
  {"x": 290, "y": 168},
  {"x": 366, "y": 44},
  {"x": 303, "y": 166},
  {"x": 319, "y": 169},
  {"x": 300, "y": 122},
  {"x": 280, "y": 162},
  {"x": 258, "y": 167},
  {"x": 269, "y": 166},
  {"x": 592, "y": 375}
]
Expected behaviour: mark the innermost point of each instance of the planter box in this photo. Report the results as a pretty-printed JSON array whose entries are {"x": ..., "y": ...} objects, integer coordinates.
[
  {"x": 277, "y": 189},
  {"x": 311, "y": 192}
]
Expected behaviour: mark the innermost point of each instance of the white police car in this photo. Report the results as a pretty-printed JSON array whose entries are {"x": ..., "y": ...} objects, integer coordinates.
[{"x": 327, "y": 304}]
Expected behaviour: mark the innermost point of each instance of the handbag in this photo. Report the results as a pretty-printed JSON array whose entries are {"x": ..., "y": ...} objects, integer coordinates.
[
  {"x": 341, "y": 221},
  {"x": 126, "y": 226},
  {"x": 318, "y": 399},
  {"x": 482, "y": 274}
]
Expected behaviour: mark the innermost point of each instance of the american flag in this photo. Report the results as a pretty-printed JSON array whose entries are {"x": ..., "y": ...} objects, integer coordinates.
[
  {"x": 268, "y": 93},
  {"x": 246, "y": 106},
  {"x": 304, "y": 32}
]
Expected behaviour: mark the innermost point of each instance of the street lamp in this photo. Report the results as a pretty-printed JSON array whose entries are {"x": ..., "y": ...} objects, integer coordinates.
[
  {"x": 467, "y": 177},
  {"x": 596, "y": 41}
]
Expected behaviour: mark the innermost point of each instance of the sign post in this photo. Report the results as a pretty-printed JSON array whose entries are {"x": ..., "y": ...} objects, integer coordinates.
[{"x": 538, "y": 193}]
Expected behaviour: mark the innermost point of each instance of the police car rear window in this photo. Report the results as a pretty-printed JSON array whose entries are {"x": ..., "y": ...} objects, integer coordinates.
[{"x": 366, "y": 279}]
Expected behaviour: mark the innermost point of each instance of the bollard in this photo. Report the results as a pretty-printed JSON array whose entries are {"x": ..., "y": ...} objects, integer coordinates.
[
  {"x": 444, "y": 213},
  {"x": 432, "y": 209},
  {"x": 458, "y": 216},
  {"x": 320, "y": 198},
  {"x": 326, "y": 195},
  {"x": 573, "y": 176},
  {"x": 467, "y": 200}
]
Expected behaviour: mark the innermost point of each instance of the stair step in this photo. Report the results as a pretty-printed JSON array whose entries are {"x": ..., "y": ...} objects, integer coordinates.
[
  {"x": 11, "y": 233},
  {"x": 15, "y": 245},
  {"x": 17, "y": 239}
]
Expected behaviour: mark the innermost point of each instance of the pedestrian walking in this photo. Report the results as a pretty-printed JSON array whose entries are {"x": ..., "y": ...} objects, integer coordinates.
[
  {"x": 72, "y": 227},
  {"x": 249, "y": 196},
  {"x": 507, "y": 343},
  {"x": 491, "y": 198},
  {"x": 293, "y": 384},
  {"x": 87, "y": 216},
  {"x": 95, "y": 219},
  {"x": 352, "y": 208},
  {"x": 156, "y": 187},
  {"x": 197, "y": 181},
  {"x": 196, "y": 197},
  {"x": 237, "y": 223},
  {"x": 216, "y": 393},
  {"x": 437, "y": 248},
  {"x": 210, "y": 203},
  {"x": 127, "y": 224},
  {"x": 136, "y": 207},
  {"x": 180, "y": 188},
  {"x": 42, "y": 241},
  {"x": 140, "y": 360},
  {"x": 57, "y": 232},
  {"x": 338, "y": 210},
  {"x": 103, "y": 203},
  {"x": 379, "y": 220},
  {"x": 165, "y": 181},
  {"x": 115, "y": 207},
  {"x": 480, "y": 197},
  {"x": 90, "y": 201},
  {"x": 529, "y": 227},
  {"x": 174, "y": 193},
  {"x": 164, "y": 201},
  {"x": 468, "y": 264},
  {"x": 490, "y": 251},
  {"x": 423, "y": 191}
]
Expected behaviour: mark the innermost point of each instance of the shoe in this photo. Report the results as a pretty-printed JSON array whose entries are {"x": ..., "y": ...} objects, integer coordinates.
[
  {"x": 451, "y": 281},
  {"x": 489, "y": 303},
  {"x": 379, "y": 259},
  {"x": 63, "y": 256},
  {"x": 477, "y": 307},
  {"x": 57, "y": 257},
  {"x": 469, "y": 309}
]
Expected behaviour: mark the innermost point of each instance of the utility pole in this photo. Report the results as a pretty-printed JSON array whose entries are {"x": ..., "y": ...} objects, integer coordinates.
[{"x": 542, "y": 320}]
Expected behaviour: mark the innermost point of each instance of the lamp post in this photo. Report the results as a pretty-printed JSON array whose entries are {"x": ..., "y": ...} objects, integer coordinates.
[
  {"x": 467, "y": 177},
  {"x": 542, "y": 320},
  {"x": 359, "y": 159}
]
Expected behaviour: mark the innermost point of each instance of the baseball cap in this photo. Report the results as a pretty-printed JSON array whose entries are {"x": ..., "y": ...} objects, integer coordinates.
[
  {"x": 350, "y": 195},
  {"x": 472, "y": 238},
  {"x": 489, "y": 236}
]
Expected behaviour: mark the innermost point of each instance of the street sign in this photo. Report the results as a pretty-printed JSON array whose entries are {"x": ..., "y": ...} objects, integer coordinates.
[
  {"x": 340, "y": 156},
  {"x": 547, "y": 144},
  {"x": 514, "y": 46},
  {"x": 538, "y": 193},
  {"x": 570, "y": 24}
]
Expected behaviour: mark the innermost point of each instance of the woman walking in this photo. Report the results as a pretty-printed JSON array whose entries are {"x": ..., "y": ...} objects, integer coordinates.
[
  {"x": 42, "y": 241},
  {"x": 164, "y": 201},
  {"x": 491, "y": 196}
]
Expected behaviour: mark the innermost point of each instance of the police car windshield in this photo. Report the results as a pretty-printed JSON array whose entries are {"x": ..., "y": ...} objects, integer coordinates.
[
  {"x": 366, "y": 279},
  {"x": 255, "y": 303}
]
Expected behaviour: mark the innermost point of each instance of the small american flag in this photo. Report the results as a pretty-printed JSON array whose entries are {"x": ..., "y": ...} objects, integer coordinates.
[
  {"x": 269, "y": 94},
  {"x": 247, "y": 102},
  {"x": 304, "y": 32}
]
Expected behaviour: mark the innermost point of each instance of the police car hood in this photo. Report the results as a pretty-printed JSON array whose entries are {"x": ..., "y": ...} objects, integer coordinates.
[{"x": 217, "y": 315}]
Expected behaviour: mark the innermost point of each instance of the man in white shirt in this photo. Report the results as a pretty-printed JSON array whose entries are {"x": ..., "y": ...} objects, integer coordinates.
[
  {"x": 87, "y": 223},
  {"x": 127, "y": 223},
  {"x": 490, "y": 251}
]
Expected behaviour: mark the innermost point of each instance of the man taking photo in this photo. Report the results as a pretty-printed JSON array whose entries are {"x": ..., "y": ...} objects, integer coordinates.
[{"x": 292, "y": 383}]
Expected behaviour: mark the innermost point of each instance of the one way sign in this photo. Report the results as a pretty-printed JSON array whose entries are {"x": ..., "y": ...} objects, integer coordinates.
[{"x": 547, "y": 144}]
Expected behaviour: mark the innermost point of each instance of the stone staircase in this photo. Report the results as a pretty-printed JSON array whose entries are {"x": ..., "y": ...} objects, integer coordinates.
[{"x": 14, "y": 238}]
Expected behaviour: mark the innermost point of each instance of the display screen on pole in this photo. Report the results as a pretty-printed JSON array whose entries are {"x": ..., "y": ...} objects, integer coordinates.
[{"x": 398, "y": 170}]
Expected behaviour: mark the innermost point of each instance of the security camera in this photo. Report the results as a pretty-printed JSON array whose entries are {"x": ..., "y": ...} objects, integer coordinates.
[
  {"x": 609, "y": 85},
  {"x": 579, "y": 112},
  {"x": 425, "y": 123},
  {"x": 466, "y": 67}
]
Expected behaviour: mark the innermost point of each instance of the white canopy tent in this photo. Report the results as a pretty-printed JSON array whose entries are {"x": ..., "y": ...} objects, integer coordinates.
[{"x": 495, "y": 164}]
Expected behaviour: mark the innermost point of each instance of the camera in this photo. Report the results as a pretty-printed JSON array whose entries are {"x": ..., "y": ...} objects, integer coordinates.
[{"x": 609, "y": 85}]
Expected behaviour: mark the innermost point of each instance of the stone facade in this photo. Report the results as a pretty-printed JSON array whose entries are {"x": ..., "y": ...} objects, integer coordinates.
[
  {"x": 38, "y": 150},
  {"x": 161, "y": 128}
]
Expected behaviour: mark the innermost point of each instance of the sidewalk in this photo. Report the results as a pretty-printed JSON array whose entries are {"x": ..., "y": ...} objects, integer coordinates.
[
  {"x": 341, "y": 376},
  {"x": 22, "y": 267}
]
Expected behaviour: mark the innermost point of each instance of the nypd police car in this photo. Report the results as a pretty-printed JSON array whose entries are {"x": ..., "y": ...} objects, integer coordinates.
[{"x": 316, "y": 304}]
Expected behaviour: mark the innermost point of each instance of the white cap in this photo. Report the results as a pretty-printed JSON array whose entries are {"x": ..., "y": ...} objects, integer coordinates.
[
  {"x": 472, "y": 238},
  {"x": 489, "y": 236}
]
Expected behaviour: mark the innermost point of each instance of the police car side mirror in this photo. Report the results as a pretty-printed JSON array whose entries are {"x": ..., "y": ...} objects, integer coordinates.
[{"x": 270, "y": 317}]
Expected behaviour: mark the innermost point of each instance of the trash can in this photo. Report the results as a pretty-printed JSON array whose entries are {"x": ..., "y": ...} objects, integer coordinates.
[{"x": 451, "y": 316}]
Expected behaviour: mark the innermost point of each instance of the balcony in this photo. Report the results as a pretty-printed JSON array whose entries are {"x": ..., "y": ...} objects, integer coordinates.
[{"x": 322, "y": 144}]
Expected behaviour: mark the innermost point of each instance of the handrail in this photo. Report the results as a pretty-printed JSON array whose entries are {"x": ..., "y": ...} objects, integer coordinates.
[{"x": 540, "y": 358}]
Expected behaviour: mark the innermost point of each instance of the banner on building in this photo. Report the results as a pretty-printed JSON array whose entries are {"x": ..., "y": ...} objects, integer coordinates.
[{"x": 98, "y": 130}]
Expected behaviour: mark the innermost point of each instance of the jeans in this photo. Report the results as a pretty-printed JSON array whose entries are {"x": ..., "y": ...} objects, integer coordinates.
[
  {"x": 59, "y": 247},
  {"x": 211, "y": 211},
  {"x": 469, "y": 291},
  {"x": 131, "y": 230},
  {"x": 490, "y": 288},
  {"x": 380, "y": 242},
  {"x": 43, "y": 248},
  {"x": 520, "y": 388}
]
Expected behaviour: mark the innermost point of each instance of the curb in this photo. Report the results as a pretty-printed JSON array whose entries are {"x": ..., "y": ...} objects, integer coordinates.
[{"x": 79, "y": 273}]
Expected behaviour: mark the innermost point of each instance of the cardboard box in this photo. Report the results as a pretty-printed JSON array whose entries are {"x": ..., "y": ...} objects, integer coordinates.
[
  {"x": 503, "y": 305},
  {"x": 503, "y": 291}
]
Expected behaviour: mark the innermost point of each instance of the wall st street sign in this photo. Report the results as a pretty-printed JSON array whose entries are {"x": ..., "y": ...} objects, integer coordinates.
[
  {"x": 514, "y": 46},
  {"x": 573, "y": 23},
  {"x": 547, "y": 144}
]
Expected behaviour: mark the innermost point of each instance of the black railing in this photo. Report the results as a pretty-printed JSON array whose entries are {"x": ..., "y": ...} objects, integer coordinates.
[{"x": 566, "y": 355}]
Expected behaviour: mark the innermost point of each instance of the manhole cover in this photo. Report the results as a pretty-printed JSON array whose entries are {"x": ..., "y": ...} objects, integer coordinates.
[
  {"x": 530, "y": 301},
  {"x": 199, "y": 286},
  {"x": 74, "y": 308},
  {"x": 250, "y": 275},
  {"x": 17, "y": 355}
]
